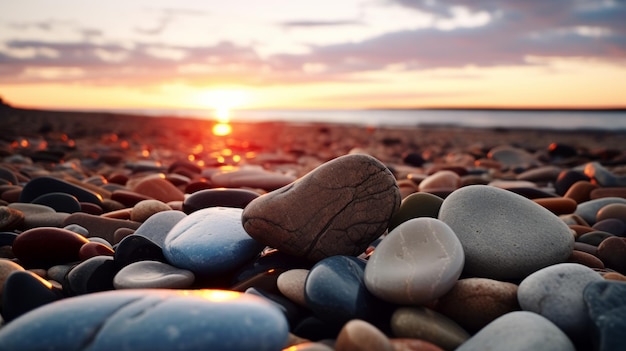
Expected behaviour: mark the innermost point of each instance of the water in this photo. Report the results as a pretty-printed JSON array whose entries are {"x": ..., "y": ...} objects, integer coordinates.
[{"x": 534, "y": 119}]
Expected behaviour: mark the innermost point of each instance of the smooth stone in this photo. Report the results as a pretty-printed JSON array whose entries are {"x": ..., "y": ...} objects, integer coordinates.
[
  {"x": 158, "y": 225},
  {"x": 210, "y": 241},
  {"x": 567, "y": 178},
  {"x": 238, "y": 198},
  {"x": 45, "y": 219},
  {"x": 414, "y": 206},
  {"x": 31, "y": 209},
  {"x": 10, "y": 218},
  {"x": 256, "y": 178},
  {"x": 612, "y": 211},
  {"x": 405, "y": 344},
  {"x": 498, "y": 239},
  {"x": 614, "y": 276},
  {"x": 339, "y": 208},
  {"x": 531, "y": 192},
  {"x": 426, "y": 257},
  {"x": 59, "y": 272},
  {"x": 45, "y": 185},
  {"x": 585, "y": 259},
  {"x": 334, "y": 290},
  {"x": 136, "y": 247},
  {"x": 561, "y": 151},
  {"x": 556, "y": 293},
  {"x": 580, "y": 191},
  {"x": 511, "y": 156},
  {"x": 8, "y": 175},
  {"x": 519, "y": 331},
  {"x": 268, "y": 260},
  {"x": 100, "y": 226},
  {"x": 90, "y": 276},
  {"x": 425, "y": 324},
  {"x": 146, "y": 208},
  {"x": 92, "y": 249},
  {"x": 540, "y": 174},
  {"x": 152, "y": 274},
  {"x": 608, "y": 192},
  {"x": 594, "y": 237},
  {"x": 6, "y": 268},
  {"x": 475, "y": 302},
  {"x": 589, "y": 210},
  {"x": 264, "y": 281},
  {"x": 611, "y": 225},
  {"x": 25, "y": 291},
  {"x": 511, "y": 184},
  {"x": 612, "y": 251},
  {"x": 60, "y": 202},
  {"x": 159, "y": 189},
  {"x": 121, "y": 233},
  {"x": 128, "y": 198},
  {"x": 557, "y": 205},
  {"x": 443, "y": 179},
  {"x": 359, "y": 335},
  {"x": 292, "y": 312},
  {"x": 291, "y": 284},
  {"x": 77, "y": 229},
  {"x": 7, "y": 238},
  {"x": 151, "y": 319},
  {"x": 309, "y": 346},
  {"x": 606, "y": 301},
  {"x": 47, "y": 246},
  {"x": 603, "y": 176}
]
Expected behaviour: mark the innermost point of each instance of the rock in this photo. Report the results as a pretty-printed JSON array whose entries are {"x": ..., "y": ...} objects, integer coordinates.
[
  {"x": 580, "y": 191},
  {"x": 504, "y": 236},
  {"x": 426, "y": 258},
  {"x": 512, "y": 156},
  {"x": 60, "y": 202},
  {"x": 557, "y": 205},
  {"x": 613, "y": 226},
  {"x": 159, "y": 189},
  {"x": 90, "y": 276},
  {"x": 46, "y": 246},
  {"x": 24, "y": 291},
  {"x": 92, "y": 249},
  {"x": 475, "y": 302},
  {"x": 10, "y": 218},
  {"x": 6, "y": 268},
  {"x": 158, "y": 225},
  {"x": 414, "y": 206},
  {"x": 136, "y": 247},
  {"x": 152, "y": 319},
  {"x": 606, "y": 301},
  {"x": 146, "y": 208},
  {"x": 335, "y": 291},
  {"x": 612, "y": 251},
  {"x": 291, "y": 284},
  {"x": 588, "y": 210},
  {"x": 210, "y": 242},
  {"x": 443, "y": 180},
  {"x": 238, "y": 198},
  {"x": 45, "y": 185},
  {"x": 152, "y": 274},
  {"x": 358, "y": 335},
  {"x": 99, "y": 226},
  {"x": 425, "y": 324},
  {"x": 556, "y": 293},
  {"x": 338, "y": 208},
  {"x": 251, "y": 177},
  {"x": 603, "y": 176},
  {"x": 615, "y": 211},
  {"x": 519, "y": 331}
]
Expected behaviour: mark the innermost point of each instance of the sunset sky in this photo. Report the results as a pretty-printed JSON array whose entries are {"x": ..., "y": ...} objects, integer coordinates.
[{"x": 312, "y": 54}]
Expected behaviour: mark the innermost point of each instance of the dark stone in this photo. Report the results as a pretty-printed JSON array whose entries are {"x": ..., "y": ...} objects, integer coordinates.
[
  {"x": 60, "y": 202},
  {"x": 606, "y": 301},
  {"x": 531, "y": 193},
  {"x": 273, "y": 259},
  {"x": 90, "y": 276},
  {"x": 44, "y": 185},
  {"x": 134, "y": 248},
  {"x": 24, "y": 291},
  {"x": 566, "y": 179},
  {"x": 238, "y": 198}
]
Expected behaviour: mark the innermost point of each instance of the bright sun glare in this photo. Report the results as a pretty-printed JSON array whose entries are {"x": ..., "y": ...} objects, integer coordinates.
[{"x": 222, "y": 102}]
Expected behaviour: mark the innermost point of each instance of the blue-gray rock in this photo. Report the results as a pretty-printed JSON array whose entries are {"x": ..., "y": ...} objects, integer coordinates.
[
  {"x": 92, "y": 275},
  {"x": 134, "y": 248},
  {"x": 505, "y": 236},
  {"x": 556, "y": 292},
  {"x": 589, "y": 209},
  {"x": 210, "y": 241},
  {"x": 426, "y": 259},
  {"x": 152, "y": 274},
  {"x": 519, "y": 331},
  {"x": 336, "y": 293},
  {"x": 151, "y": 320},
  {"x": 606, "y": 301},
  {"x": 158, "y": 225}
]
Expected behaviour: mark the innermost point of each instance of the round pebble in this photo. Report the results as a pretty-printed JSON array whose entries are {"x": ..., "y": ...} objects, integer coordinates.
[
  {"x": 146, "y": 208},
  {"x": 152, "y": 274}
]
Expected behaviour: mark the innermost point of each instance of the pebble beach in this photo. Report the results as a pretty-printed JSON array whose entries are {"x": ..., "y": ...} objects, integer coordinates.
[{"x": 122, "y": 232}]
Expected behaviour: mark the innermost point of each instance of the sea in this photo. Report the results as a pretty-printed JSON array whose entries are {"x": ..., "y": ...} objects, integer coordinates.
[{"x": 603, "y": 120}]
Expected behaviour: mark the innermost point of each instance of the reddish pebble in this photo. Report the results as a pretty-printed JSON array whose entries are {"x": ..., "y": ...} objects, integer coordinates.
[
  {"x": 608, "y": 192},
  {"x": 580, "y": 229},
  {"x": 615, "y": 210},
  {"x": 440, "y": 180},
  {"x": 413, "y": 345},
  {"x": 128, "y": 198},
  {"x": 612, "y": 251},
  {"x": 159, "y": 188},
  {"x": 92, "y": 249},
  {"x": 91, "y": 208},
  {"x": 614, "y": 276},
  {"x": 47, "y": 246},
  {"x": 585, "y": 259},
  {"x": 580, "y": 191},
  {"x": 557, "y": 205}
]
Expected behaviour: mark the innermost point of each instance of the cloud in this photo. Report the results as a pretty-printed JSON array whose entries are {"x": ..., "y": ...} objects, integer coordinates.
[{"x": 319, "y": 23}]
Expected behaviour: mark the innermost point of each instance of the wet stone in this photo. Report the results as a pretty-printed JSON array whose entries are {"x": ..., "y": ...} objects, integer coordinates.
[
  {"x": 47, "y": 246},
  {"x": 152, "y": 274},
  {"x": 336, "y": 209}
]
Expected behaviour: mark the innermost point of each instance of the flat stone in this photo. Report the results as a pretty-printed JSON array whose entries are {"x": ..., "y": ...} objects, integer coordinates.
[
  {"x": 151, "y": 319},
  {"x": 606, "y": 301},
  {"x": 60, "y": 202},
  {"x": 475, "y": 302},
  {"x": 338, "y": 208},
  {"x": 238, "y": 198},
  {"x": 251, "y": 177},
  {"x": 152, "y": 274},
  {"x": 44, "y": 185},
  {"x": 158, "y": 225},
  {"x": 519, "y": 331},
  {"x": 210, "y": 242},
  {"x": 589, "y": 210},
  {"x": 613, "y": 226},
  {"x": 556, "y": 293},
  {"x": 159, "y": 189},
  {"x": 425, "y": 324},
  {"x": 426, "y": 258},
  {"x": 146, "y": 208},
  {"x": 47, "y": 246},
  {"x": 505, "y": 236},
  {"x": 100, "y": 226}
]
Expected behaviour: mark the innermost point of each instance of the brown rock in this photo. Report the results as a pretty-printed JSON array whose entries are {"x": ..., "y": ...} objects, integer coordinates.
[
  {"x": 614, "y": 276},
  {"x": 336, "y": 209},
  {"x": 441, "y": 180},
  {"x": 557, "y": 205},
  {"x": 586, "y": 259},
  {"x": 580, "y": 191},
  {"x": 580, "y": 229},
  {"x": 158, "y": 188},
  {"x": 146, "y": 208},
  {"x": 426, "y": 324},
  {"x": 608, "y": 192},
  {"x": 99, "y": 226},
  {"x": 47, "y": 246},
  {"x": 358, "y": 335},
  {"x": 413, "y": 345},
  {"x": 612, "y": 251},
  {"x": 615, "y": 210},
  {"x": 475, "y": 302},
  {"x": 10, "y": 218},
  {"x": 92, "y": 249}
]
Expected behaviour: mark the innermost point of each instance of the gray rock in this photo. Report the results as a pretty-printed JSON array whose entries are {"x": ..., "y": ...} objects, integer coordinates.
[
  {"x": 556, "y": 292},
  {"x": 505, "y": 236},
  {"x": 589, "y": 209},
  {"x": 607, "y": 307},
  {"x": 519, "y": 331},
  {"x": 152, "y": 274}
]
